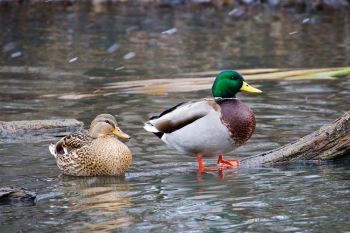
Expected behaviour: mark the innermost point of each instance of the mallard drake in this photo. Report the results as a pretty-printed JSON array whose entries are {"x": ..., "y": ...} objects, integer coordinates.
[
  {"x": 212, "y": 126},
  {"x": 93, "y": 152}
]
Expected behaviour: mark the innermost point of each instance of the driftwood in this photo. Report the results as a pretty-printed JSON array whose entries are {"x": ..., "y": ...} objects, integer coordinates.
[
  {"x": 328, "y": 143},
  {"x": 18, "y": 129},
  {"x": 14, "y": 195}
]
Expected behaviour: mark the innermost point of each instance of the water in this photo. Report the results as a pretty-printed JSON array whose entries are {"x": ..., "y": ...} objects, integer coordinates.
[{"x": 68, "y": 55}]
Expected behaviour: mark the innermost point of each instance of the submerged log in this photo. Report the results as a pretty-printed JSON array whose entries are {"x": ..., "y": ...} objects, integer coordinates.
[
  {"x": 328, "y": 143},
  {"x": 12, "y": 195},
  {"x": 15, "y": 129}
]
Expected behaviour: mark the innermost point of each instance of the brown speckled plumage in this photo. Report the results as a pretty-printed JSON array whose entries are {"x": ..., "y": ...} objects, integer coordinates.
[{"x": 79, "y": 154}]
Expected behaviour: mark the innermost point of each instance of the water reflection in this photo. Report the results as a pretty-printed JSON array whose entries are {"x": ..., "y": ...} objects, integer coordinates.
[
  {"x": 279, "y": 39},
  {"x": 162, "y": 192},
  {"x": 100, "y": 202}
]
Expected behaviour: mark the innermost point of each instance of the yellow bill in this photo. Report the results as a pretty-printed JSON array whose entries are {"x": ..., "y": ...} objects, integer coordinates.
[
  {"x": 246, "y": 87},
  {"x": 120, "y": 134}
]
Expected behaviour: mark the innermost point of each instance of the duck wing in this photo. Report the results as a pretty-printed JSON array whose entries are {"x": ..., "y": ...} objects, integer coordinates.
[
  {"x": 71, "y": 142},
  {"x": 178, "y": 117},
  {"x": 76, "y": 140}
]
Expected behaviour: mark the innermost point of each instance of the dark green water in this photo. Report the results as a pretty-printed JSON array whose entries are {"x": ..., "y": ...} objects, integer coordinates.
[{"x": 162, "y": 192}]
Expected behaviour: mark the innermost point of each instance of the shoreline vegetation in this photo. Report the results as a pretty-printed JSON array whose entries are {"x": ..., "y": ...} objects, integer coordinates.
[{"x": 307, "y": 6}]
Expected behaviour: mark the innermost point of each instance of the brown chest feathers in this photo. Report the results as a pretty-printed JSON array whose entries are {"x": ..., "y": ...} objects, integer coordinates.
[{"x": 238, "y": 118}]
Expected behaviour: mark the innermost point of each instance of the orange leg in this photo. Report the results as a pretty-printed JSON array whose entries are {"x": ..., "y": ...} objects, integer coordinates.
[
  {"x": 221, "y": 164},
  {"x": 200, "y": 164}
]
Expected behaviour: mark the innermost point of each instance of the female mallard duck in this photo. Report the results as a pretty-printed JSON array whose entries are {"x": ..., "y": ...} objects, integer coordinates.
[
  {"x": 94, "y": 152},
  {"x": 209, "y": 126}
]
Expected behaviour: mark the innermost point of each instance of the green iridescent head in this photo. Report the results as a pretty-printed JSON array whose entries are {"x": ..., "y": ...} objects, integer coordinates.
[{"x": 228, "y": 83}]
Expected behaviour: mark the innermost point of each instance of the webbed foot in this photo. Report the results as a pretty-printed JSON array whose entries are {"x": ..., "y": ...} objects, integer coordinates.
[{"x": 227, "y": 164}]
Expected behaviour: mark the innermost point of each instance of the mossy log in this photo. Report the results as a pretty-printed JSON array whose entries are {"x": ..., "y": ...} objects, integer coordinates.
[
  {"x": 15, "y": 129},
  {"x": 328, "y": 143}
]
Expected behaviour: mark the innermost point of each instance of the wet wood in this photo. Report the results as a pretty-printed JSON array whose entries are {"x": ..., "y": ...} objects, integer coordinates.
[
  {"x": 14, "y": 129},
  {"x": 328, "y": 143},
  {"x": 14, "y": 195},
  {"x": 189, "y": 82}
]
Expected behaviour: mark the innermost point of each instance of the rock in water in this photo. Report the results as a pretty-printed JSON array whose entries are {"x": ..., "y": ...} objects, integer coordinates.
[{"x": 31, "y": 128}]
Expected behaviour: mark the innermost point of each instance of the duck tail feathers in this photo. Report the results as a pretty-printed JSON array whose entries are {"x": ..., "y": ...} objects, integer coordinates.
[{"x": 150, "y": 128}]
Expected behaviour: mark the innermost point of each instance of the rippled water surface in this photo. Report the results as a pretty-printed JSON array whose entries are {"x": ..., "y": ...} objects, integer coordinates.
[{"x": 56, "y": 63}]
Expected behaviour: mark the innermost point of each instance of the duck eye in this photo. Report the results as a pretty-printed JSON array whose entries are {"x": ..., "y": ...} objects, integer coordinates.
[
  {"x": 234, "y": 77},
  {"x": 107, "y": 121}
]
